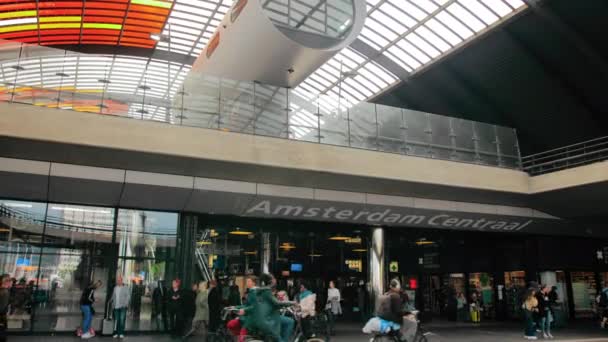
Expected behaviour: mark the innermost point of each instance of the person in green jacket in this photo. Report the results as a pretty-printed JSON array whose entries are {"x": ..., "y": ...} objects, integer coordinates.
[{"x": 262, "y": 312}]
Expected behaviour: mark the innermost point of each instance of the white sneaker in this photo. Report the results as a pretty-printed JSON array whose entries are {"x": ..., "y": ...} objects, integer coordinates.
[
  {"x": 533, "y": 338},
  {"x": 550, "y": 336},
  {"x": 122, "y": 336},
  {"x": 86, "y": 336},
  {"x": 545, "y": 335},
  {"x": 115, "y": 336}
]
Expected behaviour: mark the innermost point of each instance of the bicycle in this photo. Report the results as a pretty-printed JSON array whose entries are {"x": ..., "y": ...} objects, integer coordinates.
[
  {"x": 394, "y": 335},
  {"x": 319, "y": 326},
  {"x": 223, "y": 334}
]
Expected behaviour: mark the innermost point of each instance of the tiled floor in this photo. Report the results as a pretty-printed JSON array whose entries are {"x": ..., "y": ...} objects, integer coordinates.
[{"x": 439, "y": 332}]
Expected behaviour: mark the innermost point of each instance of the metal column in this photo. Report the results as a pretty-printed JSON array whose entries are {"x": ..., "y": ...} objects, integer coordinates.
[
  {"x": 377, "y": 274},
  {"x": 265, "y": 262}
]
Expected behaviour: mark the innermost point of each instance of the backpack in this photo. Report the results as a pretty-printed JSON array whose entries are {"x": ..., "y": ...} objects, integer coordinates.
[
  {"x": 383, "y": 305},
  {"x": 603, "y": 299}
]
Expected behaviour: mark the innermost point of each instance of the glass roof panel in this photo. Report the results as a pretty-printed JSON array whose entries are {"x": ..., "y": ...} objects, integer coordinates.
[
  {"x": 433, "y": 39},
  {"x": 466, "y": 17},
  {"x": 480, "y": 11},
  {"x": 499, "y": 7},
  {"x": 443, "y": 32},
  {"x": 449, "y": 21}
]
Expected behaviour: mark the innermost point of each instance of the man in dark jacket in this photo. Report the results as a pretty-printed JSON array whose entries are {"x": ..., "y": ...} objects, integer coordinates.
[
  {"x": 159, "y": 306},
  {"x": 395, "y": 313},
  {"x": 215, "y": 306},
  {"x": 189, "y": 306},
  {"x": 176, "y": 319}
]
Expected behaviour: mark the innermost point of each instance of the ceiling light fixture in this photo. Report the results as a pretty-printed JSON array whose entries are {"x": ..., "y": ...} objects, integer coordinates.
[
  {"x": 251, "y": 253},
  {"x": 424, "y": 241},
  {"x": 238, "y": 231},
  {"x": 315, "y": 255},
  {"x": 205, "y": 243},
  {"x": 339, "y": 238},
  {"x": 360, "y": 250}
]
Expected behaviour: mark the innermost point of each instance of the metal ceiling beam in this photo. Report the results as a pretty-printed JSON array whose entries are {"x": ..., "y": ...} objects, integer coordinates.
[
  {"x": 540, "y": 8},
  {"x": 382, "y": 60}
]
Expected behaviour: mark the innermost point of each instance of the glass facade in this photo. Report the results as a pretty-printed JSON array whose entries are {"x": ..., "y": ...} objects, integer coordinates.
[{"x": 54, "y": 251}]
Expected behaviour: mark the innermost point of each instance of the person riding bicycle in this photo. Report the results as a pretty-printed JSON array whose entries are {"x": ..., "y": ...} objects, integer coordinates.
[
  {"x": 236, "y": 325},
  {"x": 307, "y": 301},
  {"x": 390, "y": 310},
  {"x": 262, "y": 312}
]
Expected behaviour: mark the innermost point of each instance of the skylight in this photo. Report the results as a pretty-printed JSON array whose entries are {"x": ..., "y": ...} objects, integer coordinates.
[{"x": 412, "y": 34}]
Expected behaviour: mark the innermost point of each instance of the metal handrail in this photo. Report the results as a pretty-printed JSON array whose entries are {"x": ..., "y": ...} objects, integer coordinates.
[
  {"x": 563, "y": 148},
  {"x": 366, "y": 126},
  {"x": 583, "y": 153}
]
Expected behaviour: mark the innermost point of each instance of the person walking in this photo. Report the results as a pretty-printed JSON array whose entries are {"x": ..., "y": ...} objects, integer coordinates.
[
  {"x": 544, "y": 311},
  {"x": 475, "y": 308},
  {"x": 176, "y": 318},
  {"x": 189, "y": 308},
  {"x": 120, "y": 302},
  {"x": 200, "y": 323},
  {"x": 530, "y": 307},
  {"x": 159, "y": 307},
  {"x": 461, "y": 307},
  {"x": 215, "y": 306},
  {"x": 5, "y": 295},
  {"x": 602, "y": 302},
  {"x": 86, "y": 306},
  {"x": 334, "y": 308}
]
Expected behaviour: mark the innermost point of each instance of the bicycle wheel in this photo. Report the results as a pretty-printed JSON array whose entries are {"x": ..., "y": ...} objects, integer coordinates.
[{"x": 420, "y": 337}]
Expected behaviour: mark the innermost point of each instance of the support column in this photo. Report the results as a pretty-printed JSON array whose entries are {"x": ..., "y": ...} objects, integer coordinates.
[
  {"x": 377, "y": 272},
  {"x": 265, "y": 260},
  {"x": 186, "y": 244}
]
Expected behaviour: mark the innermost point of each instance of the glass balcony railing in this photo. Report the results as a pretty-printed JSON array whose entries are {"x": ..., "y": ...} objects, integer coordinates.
[{"x": 158, "y": 90}]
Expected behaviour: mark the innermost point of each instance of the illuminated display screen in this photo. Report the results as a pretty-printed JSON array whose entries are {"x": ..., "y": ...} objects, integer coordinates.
[{"x": 110, "y": 22}]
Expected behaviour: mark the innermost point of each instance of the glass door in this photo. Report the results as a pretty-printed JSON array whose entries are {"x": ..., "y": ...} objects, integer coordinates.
[
  {"x": 584, "y": 290},
  {"x": 515, "y": 285},
  {"x": 482, "y": 286}
]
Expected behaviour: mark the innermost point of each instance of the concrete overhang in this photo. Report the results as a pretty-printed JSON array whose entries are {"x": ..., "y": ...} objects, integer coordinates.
[{"x": 118, "y": 147}]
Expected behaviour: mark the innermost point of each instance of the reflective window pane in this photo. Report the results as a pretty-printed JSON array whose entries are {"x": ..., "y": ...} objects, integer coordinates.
[{"x": 146, "y": 234}]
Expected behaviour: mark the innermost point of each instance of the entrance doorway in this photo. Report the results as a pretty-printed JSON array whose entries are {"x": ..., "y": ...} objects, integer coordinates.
[{"x": 294, "y": 252}]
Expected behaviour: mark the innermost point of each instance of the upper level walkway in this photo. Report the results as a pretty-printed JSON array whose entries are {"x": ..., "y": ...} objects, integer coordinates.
[{"x": 157, "y": 166}]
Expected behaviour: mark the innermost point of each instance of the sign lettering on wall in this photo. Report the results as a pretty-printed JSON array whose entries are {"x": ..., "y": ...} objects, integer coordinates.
[{"x": 390, "y": 216}]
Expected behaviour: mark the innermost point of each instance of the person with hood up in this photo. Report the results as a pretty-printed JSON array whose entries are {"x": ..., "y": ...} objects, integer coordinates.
[{"x": 262, "y": 312}]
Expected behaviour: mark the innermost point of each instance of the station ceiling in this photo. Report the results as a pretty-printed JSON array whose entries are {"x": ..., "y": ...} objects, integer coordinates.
[{"x": 542, "y": 73}]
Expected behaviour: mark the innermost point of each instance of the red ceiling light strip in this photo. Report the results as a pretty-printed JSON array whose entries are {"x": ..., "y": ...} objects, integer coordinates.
[
  {"x": 17, "y": 7},
  {"x": 64, "y": 19}
]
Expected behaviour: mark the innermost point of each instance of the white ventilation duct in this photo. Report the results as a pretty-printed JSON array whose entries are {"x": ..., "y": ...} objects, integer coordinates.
[{"x": 280, "y": 42}]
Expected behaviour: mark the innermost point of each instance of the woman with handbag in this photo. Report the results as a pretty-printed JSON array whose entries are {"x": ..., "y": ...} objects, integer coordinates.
[
  {"x": 86, "y": 306},
  {"x": 333, "y": 306}
]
